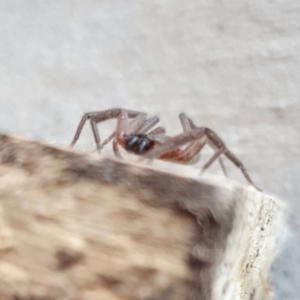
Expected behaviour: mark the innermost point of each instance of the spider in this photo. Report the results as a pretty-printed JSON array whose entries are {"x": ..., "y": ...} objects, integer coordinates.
[{"x": 134, "y": 134}]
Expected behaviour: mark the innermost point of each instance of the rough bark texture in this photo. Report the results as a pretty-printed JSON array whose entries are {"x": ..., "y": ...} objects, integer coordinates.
[{"x": 76, "y": 227}]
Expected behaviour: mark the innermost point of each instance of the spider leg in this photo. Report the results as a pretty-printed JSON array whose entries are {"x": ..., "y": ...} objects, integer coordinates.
[
  {"x": 125, "y": 128},
  {"x": 158, "y": 130},
  {"x": 213, "y": 158},
  {"x": 116, "y": 149},
  {"x": 239, "y": 165},
  {"x": 148, "y": 124},
  {"x": 145, "y": 127},
  {"x": 190, "y": 153},
  {"x": 174, "y": 142},
  {"x": 122, "y": 125},
  {"x": 194, "y": 137},
  {"x": 85, "y": 117},
  {"x": 195, "y": 147},
  {"x": 187, "y": 124},
  {"x": 98, "y": 117},
  {"x": 107, "y": 140},
  {"x": 217, "y": 142},
  {"x": 95, "y": 134},
  {"x": 223, "y": 166},
  {"x": 158, "y": 136}
]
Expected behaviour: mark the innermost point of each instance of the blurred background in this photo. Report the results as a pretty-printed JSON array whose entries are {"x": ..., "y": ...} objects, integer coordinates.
[{"x": 231, "y": 65}]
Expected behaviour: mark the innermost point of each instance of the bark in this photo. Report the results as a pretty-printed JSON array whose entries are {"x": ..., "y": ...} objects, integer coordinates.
[{"x": 74, "y": 226}]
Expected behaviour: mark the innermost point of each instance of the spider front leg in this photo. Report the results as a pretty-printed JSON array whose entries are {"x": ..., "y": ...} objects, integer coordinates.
[
  {"x": 85, "y": 117},
  {"x": 149, "y": 123},
  {"x": 126, "y": 128},
  {"x": 97, "y": 117}
]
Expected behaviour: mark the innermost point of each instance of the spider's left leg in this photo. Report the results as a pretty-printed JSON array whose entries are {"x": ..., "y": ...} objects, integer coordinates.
[
  {"x": 187, "y": 124},
  {"x": 216, "y": 140},
  {"x": 239, "y": 165},
  {"x": 216, "y": 155}
]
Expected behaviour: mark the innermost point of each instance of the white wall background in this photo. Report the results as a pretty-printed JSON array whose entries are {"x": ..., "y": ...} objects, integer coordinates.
[{"x": 231, "y": 65}]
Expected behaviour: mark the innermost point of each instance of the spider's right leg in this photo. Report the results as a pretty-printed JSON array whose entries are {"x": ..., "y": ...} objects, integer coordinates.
[
  {"x": 85, "y": 117},
  {"x": 148, "y": 124},
  {"x": 173, "y": 143},
  {"x": 194, "y": 148},
  {"x": 116, "y": 149},
  {"x": 97, "y": 117},
  {"x": 221, "y": 162},
  {"x": 126, "y": 127},
  {"x": 157, "y": 131},
  {"x": 107, "y": 140}
]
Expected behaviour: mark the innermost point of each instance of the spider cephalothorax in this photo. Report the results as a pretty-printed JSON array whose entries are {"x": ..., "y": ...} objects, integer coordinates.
[{"x": 134, "y": 135}]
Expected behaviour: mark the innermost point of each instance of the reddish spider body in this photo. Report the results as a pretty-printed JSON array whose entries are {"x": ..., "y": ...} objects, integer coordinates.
[{"x": 132, "y": 133}]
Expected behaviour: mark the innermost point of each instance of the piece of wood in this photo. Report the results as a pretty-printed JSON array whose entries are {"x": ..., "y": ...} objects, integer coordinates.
[{"x": 76, "y": 227}]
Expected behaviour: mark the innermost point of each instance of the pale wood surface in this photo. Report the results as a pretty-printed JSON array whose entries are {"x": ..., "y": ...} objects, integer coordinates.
[{"x": 76, "y": 227}]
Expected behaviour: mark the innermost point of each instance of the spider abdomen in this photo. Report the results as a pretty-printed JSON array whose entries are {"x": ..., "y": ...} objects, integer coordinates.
[{"x": 138, "y": 143}]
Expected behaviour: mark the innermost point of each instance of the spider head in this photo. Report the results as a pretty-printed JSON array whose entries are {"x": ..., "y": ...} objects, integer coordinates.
[{"x": 138, "y": 143}]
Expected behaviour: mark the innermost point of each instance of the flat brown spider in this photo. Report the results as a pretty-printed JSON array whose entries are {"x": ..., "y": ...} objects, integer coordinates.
[{"x": 134, "y": 135}]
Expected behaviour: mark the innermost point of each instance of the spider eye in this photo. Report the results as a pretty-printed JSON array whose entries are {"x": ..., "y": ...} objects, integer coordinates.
[
  {"x": 138, "y": 144},
  {"x": 143, "y": 146},
  {"x": 131, "y": 142}
]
